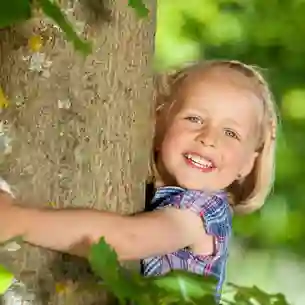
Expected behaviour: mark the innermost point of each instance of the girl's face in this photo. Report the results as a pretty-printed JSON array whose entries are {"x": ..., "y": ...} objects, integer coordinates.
[{"x": 211, "y": 135}]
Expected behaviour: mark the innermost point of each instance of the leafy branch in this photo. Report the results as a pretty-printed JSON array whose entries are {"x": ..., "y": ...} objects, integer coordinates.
[
  {"x": 174, "y": 288},
  {"x": 15, "y": 11},
  {"x": 139, "y": 6}
]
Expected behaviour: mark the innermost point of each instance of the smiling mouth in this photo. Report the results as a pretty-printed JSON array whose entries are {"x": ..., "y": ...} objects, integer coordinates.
[{"x": 199, "y": 162}]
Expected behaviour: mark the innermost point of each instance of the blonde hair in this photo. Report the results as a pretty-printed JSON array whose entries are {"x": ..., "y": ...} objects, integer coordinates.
[{"x": 250, "y": 193}]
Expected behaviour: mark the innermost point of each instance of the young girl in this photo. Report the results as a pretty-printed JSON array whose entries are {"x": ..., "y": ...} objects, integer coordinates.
[{"x": 214, "y": 154}]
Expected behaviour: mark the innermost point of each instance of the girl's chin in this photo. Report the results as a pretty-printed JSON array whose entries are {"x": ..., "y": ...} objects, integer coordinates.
[{"x": 196, "y": 186}]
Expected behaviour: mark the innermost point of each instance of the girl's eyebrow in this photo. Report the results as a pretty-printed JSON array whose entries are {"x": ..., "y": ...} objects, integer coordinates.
[
  {"x": 235, "y": 123},
  {"x": 195, "y": 109}
]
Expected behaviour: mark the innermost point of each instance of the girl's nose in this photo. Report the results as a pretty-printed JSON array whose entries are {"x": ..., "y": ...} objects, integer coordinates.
[{"x": 207, "y": 137}]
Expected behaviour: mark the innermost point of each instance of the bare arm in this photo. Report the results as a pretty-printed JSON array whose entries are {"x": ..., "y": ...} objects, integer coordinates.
[{"x": 73, "y": 231}]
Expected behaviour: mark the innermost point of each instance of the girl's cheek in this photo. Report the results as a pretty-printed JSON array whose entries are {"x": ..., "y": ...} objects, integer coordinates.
[
  {"x": 230, "y": 152},
  {"x": 169, "y": 143},
  {"x": 173, "y": 133}
]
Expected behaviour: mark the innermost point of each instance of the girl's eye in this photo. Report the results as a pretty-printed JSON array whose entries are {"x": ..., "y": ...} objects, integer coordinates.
[
  {"x": 194, "y": 119},
  {"x": 232, "y": 134}
]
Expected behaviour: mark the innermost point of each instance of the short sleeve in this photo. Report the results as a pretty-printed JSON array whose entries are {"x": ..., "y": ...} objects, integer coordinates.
[
  {"x": 214, "y": 212},
  {"x": 212, "y": 208}
]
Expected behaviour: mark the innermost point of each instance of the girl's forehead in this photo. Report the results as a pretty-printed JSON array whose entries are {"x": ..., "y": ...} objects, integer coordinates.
[
  {"x": 228, "y": 89},
  {"x": 211, "y": 92},
  {"x": 219, "y": 76}
]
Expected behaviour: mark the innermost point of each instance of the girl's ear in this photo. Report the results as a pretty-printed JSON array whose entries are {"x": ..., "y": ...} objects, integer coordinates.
[{"x": 248, "y": 167}]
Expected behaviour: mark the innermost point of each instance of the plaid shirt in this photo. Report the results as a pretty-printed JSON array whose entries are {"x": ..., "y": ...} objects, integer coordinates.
[{"x": 217, "y": 221}]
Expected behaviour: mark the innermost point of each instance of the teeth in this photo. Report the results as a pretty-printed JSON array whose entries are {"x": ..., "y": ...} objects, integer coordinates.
[{"x": 201, "y": 161}]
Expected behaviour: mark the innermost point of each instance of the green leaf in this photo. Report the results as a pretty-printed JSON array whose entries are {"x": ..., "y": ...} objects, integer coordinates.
[
  {"x": 6, "y": 279},
  {"x": 140, "y": 7},
  {"x": 207, "y": 300},
  {"x": 104, "y": 261},
  {"x": 187, "y": 286},
  {"x": 259, "y": 295},
  {"x": 246, "y": 294},
  {"x": 122, "y": 282},
  {"x": 53, "y": 11},
  {"x": 279, "y": 299},
  {"x": 242, "y": 299},
  {"x": 14, "y": 11}
]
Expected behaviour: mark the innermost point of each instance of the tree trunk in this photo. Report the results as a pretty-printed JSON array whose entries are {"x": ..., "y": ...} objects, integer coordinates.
[{"x": 81, "y": 127}]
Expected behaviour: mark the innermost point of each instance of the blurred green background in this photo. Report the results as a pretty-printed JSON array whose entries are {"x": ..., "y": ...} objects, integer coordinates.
[{"x": 268, "y": 248}]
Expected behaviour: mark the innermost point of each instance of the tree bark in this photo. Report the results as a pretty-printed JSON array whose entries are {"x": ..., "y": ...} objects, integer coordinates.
[{"x": 81, "y": 129}]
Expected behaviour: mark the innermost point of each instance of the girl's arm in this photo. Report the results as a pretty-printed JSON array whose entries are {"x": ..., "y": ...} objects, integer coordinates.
[{"x": 74, "y": 230}]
